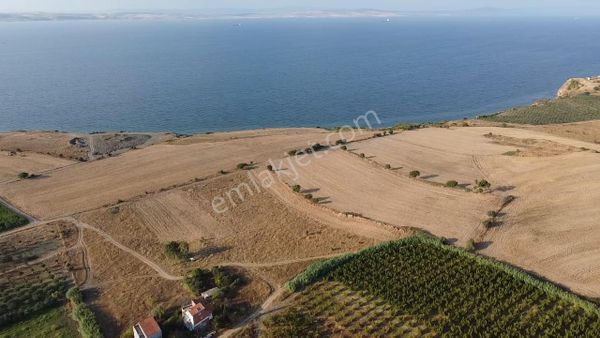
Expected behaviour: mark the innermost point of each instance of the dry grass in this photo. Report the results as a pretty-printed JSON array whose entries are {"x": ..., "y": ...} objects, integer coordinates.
[
  {"x": 91, "y": 185},
  {"x": 50, "y": 143},
  {"x": 12, "y": 165},
  {"x": 275, "y": 232}
]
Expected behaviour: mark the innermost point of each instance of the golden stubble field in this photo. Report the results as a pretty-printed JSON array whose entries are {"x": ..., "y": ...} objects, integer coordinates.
[{"x": 88, "y": 186}]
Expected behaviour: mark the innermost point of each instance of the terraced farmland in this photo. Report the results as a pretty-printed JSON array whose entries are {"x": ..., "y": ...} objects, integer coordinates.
[
  {"x": 563, "y": 110},
  {"x": 419, "y": 286}
]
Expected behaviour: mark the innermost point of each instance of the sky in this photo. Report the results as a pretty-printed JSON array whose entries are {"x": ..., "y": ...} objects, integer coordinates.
[{"x": 570, "y": 7}]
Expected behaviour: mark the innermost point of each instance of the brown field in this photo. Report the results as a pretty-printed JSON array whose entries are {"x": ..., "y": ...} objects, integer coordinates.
[
  {"x": 91, "y": 185},
  {"x": 33, "y": 163},
  {"x": 588, "y": 131},
  {"x": 551, "y": 228},
  {"x": 55, "y": 144},
  {"x": 548, "y": 229},
  {"x": 347, "y": 183},
  {"x": 276, "y": 232}
]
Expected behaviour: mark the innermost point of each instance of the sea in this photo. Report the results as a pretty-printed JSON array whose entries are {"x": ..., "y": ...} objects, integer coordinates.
[{"x": 220, "y": 75}]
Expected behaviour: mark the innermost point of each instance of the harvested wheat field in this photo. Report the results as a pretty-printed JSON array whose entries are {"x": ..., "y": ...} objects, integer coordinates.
[
  {"x": 347, "y": 183},
  {"x": 57, "y": 144},
  {"x": 258, "y": 231},
  {"x": 588, "y": 131},
  {"x": 11, "y": 164},
  {"x": 552, "y": 228},
  {"x": 91, "y": 185}
]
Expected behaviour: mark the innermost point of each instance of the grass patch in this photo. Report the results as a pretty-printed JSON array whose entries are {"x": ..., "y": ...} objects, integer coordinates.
[
  {"x": 562, "y": 110},
  {"x": 457, "y": 293},
  {"x": 51, "y": 323},
  {"x": 10, "y": 220}
]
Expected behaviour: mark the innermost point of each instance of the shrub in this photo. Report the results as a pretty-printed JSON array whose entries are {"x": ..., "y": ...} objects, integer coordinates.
[
  {"x": 344, "y": 148},
  {"x": 315, "y": 200},
  {"x": 492, "y": 213},
  {"x": 177, "y": 249},
  {"x": 292, "y": 152},
  {"x": 242, "y": 165},
  {"x": 270, "y": 167},
  {"x": 23, "y": 175},
  {"x": 222, "y": 172},
  {"x": 340, "y": 142},
  {"x": 484, "y": 184},
  {"x": 388, "y": 166},
  {"x": 488, "y": 223},
  {"x": 451, "y": 184},
  {"x": 391, "y": 131},
  {"x": 414, "y": 174},
  {"x": 296, "y": 188},
  {"x": 87, "y": 321},
  {"x": 198, "y": 281},
  {"x": 158, "y": 312},
  {"x": 470, "y": 245},
  {"x": 74, "y": 295},
  {"x": 308, "y": 196},
  {"x": 362, "y": 155}
]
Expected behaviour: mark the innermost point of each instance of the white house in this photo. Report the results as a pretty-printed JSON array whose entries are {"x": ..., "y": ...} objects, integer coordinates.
[
  {"x": 147, "y": 328},
  {"x": 197, "y": 315}
]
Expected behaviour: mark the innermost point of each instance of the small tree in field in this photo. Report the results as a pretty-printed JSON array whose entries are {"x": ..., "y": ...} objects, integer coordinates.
[
  {"x": 23, "y": 175},
  {"x": 296, "y": 188},
  {"x": 414, "y": 174}
]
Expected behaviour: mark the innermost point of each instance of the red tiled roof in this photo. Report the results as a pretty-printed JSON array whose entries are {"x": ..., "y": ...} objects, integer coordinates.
[
  {"x": 200, "y": 310},
  {"x": 149, "y": 326}
]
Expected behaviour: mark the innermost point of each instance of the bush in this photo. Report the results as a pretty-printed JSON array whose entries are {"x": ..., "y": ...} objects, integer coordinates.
[
  {"x": 488, "y": 223},
  {"x": 242, "y": 165},
  {"x": 88, "y": 326},
  {"x": 179, "y": 250},
  {"x": 292, "y": 152},
  {"x": 451, "y": 184},
  {"x": 198, "y": 281},
  {"x": 362, "y": 155},
  {"x": 270, "y": 167},
  {"x": 23, "y": 175},
  {"x": 308, "y": 196},
  {"x": 74, "y": 295},
  {"x": 388, "y": 166},
  {"x": 414, "y": 174},
  {"x": 484, "y": 184},
  {"x": 344, "y": 148},
  {"x": 296, "y": 188},
  {"x": 470, "y": 245},
  {"x": 492, "y": 213},
  {"x": 340, "y": 142}
]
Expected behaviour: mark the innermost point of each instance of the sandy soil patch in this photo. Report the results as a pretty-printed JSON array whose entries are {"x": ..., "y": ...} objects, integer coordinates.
[
  {"x": 91, "y": 185},
  {"x": 11, "y": 164},
  {"x": 55, "y": 144}
]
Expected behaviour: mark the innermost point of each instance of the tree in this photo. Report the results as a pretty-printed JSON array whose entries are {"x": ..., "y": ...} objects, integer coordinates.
[
  {"x": 23, "y": 175},
  {"x": 451, "y": 184},
  {"x": 414, "y": 174},
  {"x": 296, "y": 188},
  {"x": 198, "y": 281}
]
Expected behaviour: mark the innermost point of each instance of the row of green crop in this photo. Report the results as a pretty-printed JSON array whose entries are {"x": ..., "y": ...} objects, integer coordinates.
[
  {"x": 19, "y": 301},
  {"x": 468, "y": 295},
  {"x": 10, "y": 220},
  {"x": 563, "y": 110},
  {"x": 88, "y": 326}
]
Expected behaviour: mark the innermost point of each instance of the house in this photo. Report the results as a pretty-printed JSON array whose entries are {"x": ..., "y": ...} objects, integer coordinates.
[
  {"x": 147, "y": 328},
  {"x": 197, "y": 315},
  {"x": 210, "y": 294}
]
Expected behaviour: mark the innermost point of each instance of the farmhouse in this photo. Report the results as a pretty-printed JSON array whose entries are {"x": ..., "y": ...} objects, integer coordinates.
[
  {"x": 197, "y": 315},
  {"x": 147, "y": 328}
]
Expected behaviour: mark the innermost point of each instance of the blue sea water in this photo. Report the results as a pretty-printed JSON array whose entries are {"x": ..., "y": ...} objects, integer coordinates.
[{"x": 196, "y": 76}]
